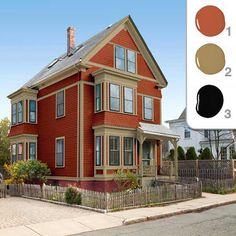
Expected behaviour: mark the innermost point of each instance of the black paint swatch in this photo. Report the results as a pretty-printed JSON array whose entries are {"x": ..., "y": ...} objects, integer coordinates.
[{"x": 209, "y": 101}]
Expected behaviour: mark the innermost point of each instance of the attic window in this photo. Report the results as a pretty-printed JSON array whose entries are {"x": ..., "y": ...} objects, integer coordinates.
[{"x": 53, "y": 63}]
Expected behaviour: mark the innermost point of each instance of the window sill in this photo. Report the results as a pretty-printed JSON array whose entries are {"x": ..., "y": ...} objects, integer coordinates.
[
  {"x": 60, "y": 117},
  {"x": 59, "y": 167}
]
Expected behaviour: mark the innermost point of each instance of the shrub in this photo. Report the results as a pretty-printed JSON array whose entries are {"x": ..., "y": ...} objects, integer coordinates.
[
  {"x": 31, "y": 171},
  {"x": 205, "y": 154},
  {"x": 191, "y": 154},
  {"x": 72, "y": 196},
  {"x": 181, "y": 153},
  {"x": 171, "y": 154}
]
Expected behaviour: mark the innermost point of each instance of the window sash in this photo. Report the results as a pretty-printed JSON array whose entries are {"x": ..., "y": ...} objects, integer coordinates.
[
  {"x": 114, "y": 97},
  {"x": 148, "y": 110},
  {"x": 32, "y": 111},
  {"x": 14, "y": 114},
  {"x": 120, "y": 57},
  {"x": 131, "y": 61},
  {"x": 20, "y": 111},
  {"x": 32, "y": 151},
  {"x": 60, "y": 152},
  {"x": 114, "y": 151},
  {"x": 98, "y": 97},
  {"x": 128, "y": 151},
  {"x": 128, "y": 100},
  {"x": 60, "y": 103},
  {"x": 98, "y": 150}
]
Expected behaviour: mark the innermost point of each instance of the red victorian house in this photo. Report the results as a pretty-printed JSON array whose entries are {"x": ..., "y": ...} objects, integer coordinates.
[{"x": 93, "y": 110}]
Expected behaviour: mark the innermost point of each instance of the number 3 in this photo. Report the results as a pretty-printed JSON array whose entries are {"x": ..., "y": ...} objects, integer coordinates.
[{"x": 227, "y": 113}]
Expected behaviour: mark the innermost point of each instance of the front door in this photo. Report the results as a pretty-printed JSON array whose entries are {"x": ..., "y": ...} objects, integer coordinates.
[{"x": 148, "y": 153}]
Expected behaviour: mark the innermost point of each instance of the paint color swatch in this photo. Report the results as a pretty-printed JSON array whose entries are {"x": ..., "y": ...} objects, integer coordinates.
[
  {"x": 210, "y": 20},
  {"x": 210, "y": 59},
  {"x": 211, "y": 67},
  {"x": 209, "y": 101}
]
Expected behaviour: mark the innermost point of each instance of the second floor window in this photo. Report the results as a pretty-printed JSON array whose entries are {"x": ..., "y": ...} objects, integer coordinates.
[
  {"x": 60, "y": 104},
  {"x": 114, "y": 97},
  {"x": 98, "y": 97},
  {"x": 114, "y": 151},
  {"x": 14, "y": 115},
  {"x": 32, "y": 151},
  {"x": 20, "y": 112},
  {"x": 60, "y": 152},
  {"x": 98, "y": 150},
  {"x": 120, "y": 58},
  {"x": 128, "y": 100},
  {"x": 32, "y": 111},
  {"x": 147, "y": 108},
  {"x": 187, "y": 133}
]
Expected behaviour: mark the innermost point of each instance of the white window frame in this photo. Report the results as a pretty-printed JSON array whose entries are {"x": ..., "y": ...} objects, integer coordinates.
[
  {"x": 64, "y": 104},
  {"x": 127, "y": 61},
  {"x": 144, "y": 108},
  {"x": 111, "y": 84},
  {"x": 64, "y": 149},
  {"x": 124, "y": 100},
  {"x": 118, "y": 46}
]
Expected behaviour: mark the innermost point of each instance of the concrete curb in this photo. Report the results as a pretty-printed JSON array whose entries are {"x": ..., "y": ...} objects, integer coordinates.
[{"x": 166, "y": 215}]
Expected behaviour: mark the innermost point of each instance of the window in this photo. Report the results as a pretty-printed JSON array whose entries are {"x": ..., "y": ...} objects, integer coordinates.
[
  {"x": 147, "y": 108},
  {"x": 131, "y": 61},
  {"x": 120, "y": 57},
  {"x": 32, "y": 151},
  {"x": 231, "y": 151},
  {"x": 14, "y": 116},
  {"x": 187, "y": 133},
  {"x": 13, "y": 156},
  {"x": 20, "y": 151},
  {"x": 128, "y": 100},
  {"x": 59, "y": 152},
  {"x": 223, "y": 151},
  {"x": 114, "y": 151},
  {"x": 98, "y": 150},
  {"x": 60, "y": 104},
  {"x": 98, "y": 96},
  {"x": 114, "y": 97},
  {"x": 128, "y": 151},
  {"x": 206, "y": 134},
  {"x": 20, "y": 111},
  {"x": 32, "y": 111}
]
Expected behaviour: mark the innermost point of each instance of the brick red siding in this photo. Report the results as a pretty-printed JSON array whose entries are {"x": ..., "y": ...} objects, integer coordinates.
[
  {"x": 49, "y": 128},
  {"x": 143, "y": 68}
]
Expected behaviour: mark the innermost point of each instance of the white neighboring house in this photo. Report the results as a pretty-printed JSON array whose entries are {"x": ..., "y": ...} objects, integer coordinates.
[{"x": 200, "y": 139}]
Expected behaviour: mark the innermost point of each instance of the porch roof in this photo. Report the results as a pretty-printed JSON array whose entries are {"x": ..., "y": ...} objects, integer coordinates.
[{"x": 160, "y": 131}]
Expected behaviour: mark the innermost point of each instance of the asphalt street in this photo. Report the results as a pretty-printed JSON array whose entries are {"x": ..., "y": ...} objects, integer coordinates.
[{"x": 218, "y": 221}]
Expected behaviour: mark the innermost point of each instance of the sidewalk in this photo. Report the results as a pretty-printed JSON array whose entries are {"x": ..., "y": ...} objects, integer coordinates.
[{"x": 95, "y": 221}]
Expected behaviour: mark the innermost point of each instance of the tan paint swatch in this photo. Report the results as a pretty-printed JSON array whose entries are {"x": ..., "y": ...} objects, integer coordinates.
[{"x": 210, "y": 59}]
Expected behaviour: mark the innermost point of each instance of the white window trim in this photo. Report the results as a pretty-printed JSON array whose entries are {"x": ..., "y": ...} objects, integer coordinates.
[
  {"x": 143, "y": 108},
  {"x": 120, "y": 98},
  {"x": 123, "y": 99},
  {"x": 59, "y": 138},
  {"x": 64, "y": 108}
]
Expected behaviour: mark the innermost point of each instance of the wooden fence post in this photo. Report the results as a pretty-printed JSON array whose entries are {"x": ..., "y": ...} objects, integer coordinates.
[{"x": 197, "y": 169}]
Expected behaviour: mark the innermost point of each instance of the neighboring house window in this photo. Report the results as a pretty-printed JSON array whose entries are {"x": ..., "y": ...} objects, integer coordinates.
[
  {"x": 32, "y": 111},
  {"x": 223, "y": 151},
  {"x": 128, "y": 151},
  {"x": 128, "y": 100},
  {"x": 14, "y": 115},
  {"x": 147, "y": 108},
  {"x": 60, "y": 152},
  {"x": 20, "y": 151},
  {"x": 20, "y": 111},
  {"x": 120, "y": 57},
  {"x": 13, "y": 157},
  {"x": 231, "y": 151},
  {"x": 32, "y": 151},
  {"x": 60, "y": 104},
  {"x": 114, "y": 151},
  {"x": 114, "y": 97},
  {"x": 206, "y": 134},
  {"x": 131, "y": 61},
  {"x": 187, "y": 133},
  {"x": 98, "y": 96},
  {"x": 98, "y": 150}
]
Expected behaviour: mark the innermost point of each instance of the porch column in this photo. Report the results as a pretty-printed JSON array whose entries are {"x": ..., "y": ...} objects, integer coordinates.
[
  {"x": 174, "y": 143},
  {"x": 141, "y": 139}
]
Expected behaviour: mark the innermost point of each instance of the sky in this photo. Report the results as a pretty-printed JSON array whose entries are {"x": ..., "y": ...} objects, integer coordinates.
[{"x": 33, "y": 33}]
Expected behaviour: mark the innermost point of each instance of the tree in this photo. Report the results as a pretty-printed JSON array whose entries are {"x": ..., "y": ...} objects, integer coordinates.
[
  {"x": 31, "y": 171},
  {"x": 205, "y": 154},
  {"x": 191, "y": 154},
  {"x": 181, "y": 153},
  {"x": 4, "y": 141},
  {"x": 171, "y": 155}
]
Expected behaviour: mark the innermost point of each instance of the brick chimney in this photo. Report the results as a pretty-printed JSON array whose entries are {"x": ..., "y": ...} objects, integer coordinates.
[{"x": 70, "y": 39}]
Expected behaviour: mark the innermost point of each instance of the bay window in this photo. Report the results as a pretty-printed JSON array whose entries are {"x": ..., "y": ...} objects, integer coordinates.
[
  {"x": 128, "y": 151},
  {"x": 20, "y": 111},
  {"x": 13, "y": 154},
  {"x": 98, "y": 150},
  {"x": 32, "y": 111},
  {"x": 32, "y": 151},
  {"x": 98, "y": 97},
  {"x": 20, "y": 151},
  {"x": 128, "y": 100},
  {"x": 14, "y": 114},
  {"x": 114, "y": 151},
  {"x": 114, "y": 97}
]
